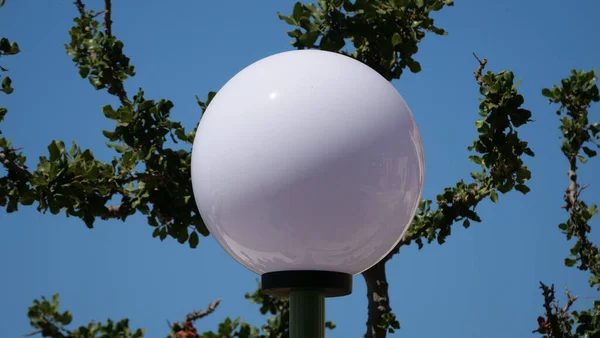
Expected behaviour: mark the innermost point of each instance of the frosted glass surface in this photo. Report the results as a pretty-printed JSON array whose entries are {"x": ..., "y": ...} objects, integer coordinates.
[{"x": 307, "y": 160}]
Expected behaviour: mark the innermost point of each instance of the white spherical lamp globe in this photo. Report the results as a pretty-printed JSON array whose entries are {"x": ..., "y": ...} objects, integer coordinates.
[{"x": 307, "y": 160}]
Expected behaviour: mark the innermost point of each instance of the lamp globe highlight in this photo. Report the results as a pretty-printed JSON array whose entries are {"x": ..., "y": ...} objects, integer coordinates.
[{"x": 307, "y": 168}]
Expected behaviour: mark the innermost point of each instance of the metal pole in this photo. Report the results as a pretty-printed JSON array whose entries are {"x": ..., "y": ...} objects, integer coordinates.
[{"x": 307, "y": 314}]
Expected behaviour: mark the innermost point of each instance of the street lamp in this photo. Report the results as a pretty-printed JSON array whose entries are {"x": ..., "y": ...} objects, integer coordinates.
[{"x": 307, "y": 168}]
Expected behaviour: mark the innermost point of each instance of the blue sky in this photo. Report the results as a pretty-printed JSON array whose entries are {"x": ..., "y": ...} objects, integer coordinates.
[{"x": 482, "y": 282}]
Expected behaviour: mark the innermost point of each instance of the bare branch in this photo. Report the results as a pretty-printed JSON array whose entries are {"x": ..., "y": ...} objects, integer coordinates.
[
  {"x": 34, "y": 333},
  {"x": 479, "y": 71},
  {"x": 107, "y": 17},
  {"x": 80, "y": 7},
  {"x": 187, "y": 328},
  {"x": 116, "y": 211},
  {"x": 99, "y": 13},
  {"x": 570, "y": 301},
  {"x": 554, "y": 323},
  {"x": 193, "y": 316}
]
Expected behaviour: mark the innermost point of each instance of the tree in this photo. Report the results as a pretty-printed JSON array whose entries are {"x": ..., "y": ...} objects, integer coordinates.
[
  {"x": 151, "y": 176},
  {"x": 575, "y": 96}
]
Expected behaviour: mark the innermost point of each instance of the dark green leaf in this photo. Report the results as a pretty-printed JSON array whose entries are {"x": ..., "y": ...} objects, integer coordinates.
[
  {"x": 112, "y": 136},
  {"x": 297, "y": 12},
  {"x": 547, "y": 93},
  {"x": 414, "y": 66},
  {"x": 194, "y": 239},
  {"x": 589, "y": 152},
  {"x": 570, "y": 262},
  {"x": 55, "y": 150},
  {"x": 308, "y": 39},
  {"x": 522, "y": 188},
  {"x": 595, "y": 128},
  {"x": 84, "y": 71},
  {"x": 28, "y": 197}
]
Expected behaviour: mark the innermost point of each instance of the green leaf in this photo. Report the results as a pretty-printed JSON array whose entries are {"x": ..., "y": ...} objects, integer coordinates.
[
  {"x": 74, "y": 149},
  {"x": 84, "y": 71},
  {"x": 109, "y": 112},
  {"x": 595, "y": 128},
  {"x": 96, "y": 83},
  {"x": 162, "y": 233},
  {"x": 28, "y": 197},
  {"x": 308, "y": 39},
  {"x": 6, "y": 82},
  {"x": 589, "y": 152},
  {"x": 55, "y": 148},
  {"x": 297, "y": 12},
  {"x": 523, "y": 174},
  {"x": 289, "y": 20},
  {"x": 396, "y": 39},
  {"x": 522, "y": 188},
  {"x": 111, "y": 135},
  {"x": 414, "y": 66},
  {"x": 494, "y": 196},
  {"x": 332, "y": 41},
  {"x": 593, "y": 210},
  {"x": 152, "y": 222},
  {"x": 126, "y": 114},
  {"x": 6, "y": 88},
  {"x": 183, "y": 236},
  {"x": 570, "y": 262},
  {"x": 194, "y": 239},
  {"x": 210, "y": 97},
  {"x": 118, "y": 147},
  {"x": 476, "y": 159}
]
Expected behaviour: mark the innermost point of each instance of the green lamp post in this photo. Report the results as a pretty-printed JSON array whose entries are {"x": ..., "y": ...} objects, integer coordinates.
[{"x": 307, "y": 168}]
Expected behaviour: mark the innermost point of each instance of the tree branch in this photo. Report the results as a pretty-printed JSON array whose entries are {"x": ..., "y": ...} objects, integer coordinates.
[
  {"x": 20, "y": 171},
  {"x": 187, "y": 328},
  {"x": 107, "y": 17},
  {"x": 554, "y": 322},
  {"x": 451, "y": 212},
  {"x": 479, "y": 71},
  {"x": 193, "y": 316},
  {"x": 80, "y": 7},
  {"x": 502, "y": 171},
  {"x": 114, "y": 81},
  {"x": 570, "y": 301},
  {"x": 99, "y": 13},
  {"x": 379, "y": 308}
]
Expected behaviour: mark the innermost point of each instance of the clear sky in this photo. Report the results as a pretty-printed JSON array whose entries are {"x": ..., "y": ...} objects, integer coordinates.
[{"x": 482, "y": 283}]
